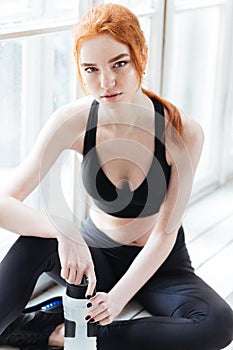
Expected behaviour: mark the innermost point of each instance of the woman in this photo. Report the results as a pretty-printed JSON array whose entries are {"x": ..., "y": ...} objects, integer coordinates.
[{"x": 140, "y": 154}]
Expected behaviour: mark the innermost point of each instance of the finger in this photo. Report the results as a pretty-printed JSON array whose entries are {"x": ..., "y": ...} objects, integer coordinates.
[
  {"x": 64, "y": 272},
  {"x": 91, "y": 283},
  {"x": 96, "y": 311},
  {"x": 99, "y": 298},
  {"x": 72, "y": 276},
  {"x": 78, "y": 277},
  {"x": 102, "y": 316}
]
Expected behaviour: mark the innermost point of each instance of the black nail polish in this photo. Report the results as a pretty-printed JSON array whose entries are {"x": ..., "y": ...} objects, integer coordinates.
[
  {"x": 88, "y": 317},
  {"x": 92, "y": 320},
  {"x": 89, "y": 305},
  {"x": 88, "y": 296}
]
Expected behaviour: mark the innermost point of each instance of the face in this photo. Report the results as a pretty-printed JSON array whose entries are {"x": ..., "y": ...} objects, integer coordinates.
[{"x": 108, "y": 71}]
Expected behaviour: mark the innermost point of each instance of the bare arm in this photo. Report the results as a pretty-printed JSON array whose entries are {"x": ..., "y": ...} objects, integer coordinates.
[
  {"x": 59, "y": 133},
  {"x": 16, "y": 216}
]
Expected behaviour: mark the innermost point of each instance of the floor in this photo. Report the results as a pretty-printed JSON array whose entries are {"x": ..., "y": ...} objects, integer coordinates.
[{"x": 208, "y": 225}]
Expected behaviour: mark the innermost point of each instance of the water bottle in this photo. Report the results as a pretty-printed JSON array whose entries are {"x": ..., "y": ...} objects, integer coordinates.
[{"x": 79, "y": 334}]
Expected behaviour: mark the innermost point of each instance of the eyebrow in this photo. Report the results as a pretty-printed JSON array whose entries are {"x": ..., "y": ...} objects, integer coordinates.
[{"x": 110, "y": 61}]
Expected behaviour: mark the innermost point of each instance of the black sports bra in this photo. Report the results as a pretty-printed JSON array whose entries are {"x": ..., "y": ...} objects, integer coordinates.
[{"x": 146, "y": 199}]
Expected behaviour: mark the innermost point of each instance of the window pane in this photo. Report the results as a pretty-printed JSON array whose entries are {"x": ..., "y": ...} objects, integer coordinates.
[
  {"x": 10, "y": 106},
  {"x": 63, "y": 87},
  {"x": 190, "y": 81},
  {"x": 37, "y": 76},
  {"x": 65, "y": 5},
  {"x": 63, "y": 69},
  {"x": 15, "y": 12},
  {"x": 14, "y": 6},
  {"x": 145, "y": 23}
]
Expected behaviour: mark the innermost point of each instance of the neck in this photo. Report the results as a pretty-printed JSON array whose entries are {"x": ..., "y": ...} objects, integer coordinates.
[{"x": 127, "y": 112}]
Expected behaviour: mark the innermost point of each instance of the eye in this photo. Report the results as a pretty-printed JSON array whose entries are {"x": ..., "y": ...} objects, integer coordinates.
[
  {"x": 90, "y": 69},
  {"x": 120, "y": 64}
]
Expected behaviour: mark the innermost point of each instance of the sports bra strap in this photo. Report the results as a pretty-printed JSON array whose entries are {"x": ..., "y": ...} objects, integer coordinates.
[{"x": 90, "y": 139}]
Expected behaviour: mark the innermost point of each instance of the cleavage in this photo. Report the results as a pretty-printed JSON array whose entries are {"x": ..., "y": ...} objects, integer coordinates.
[{"x": 125, "y": 163}]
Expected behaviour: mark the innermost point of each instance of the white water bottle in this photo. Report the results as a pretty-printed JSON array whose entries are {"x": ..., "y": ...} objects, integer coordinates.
[{"x": 79, "y": 334}]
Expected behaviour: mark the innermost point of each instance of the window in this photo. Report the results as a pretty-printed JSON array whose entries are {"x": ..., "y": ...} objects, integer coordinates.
[
  {"x": 197, "y": 41},
  {"x": 37, "y": 76}
]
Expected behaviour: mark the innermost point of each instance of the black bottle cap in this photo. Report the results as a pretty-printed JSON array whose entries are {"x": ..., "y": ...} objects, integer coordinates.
[{"x": 77, "y": 291}]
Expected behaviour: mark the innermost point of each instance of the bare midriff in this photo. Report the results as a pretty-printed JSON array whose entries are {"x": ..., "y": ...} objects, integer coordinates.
[{"x": 127, "y": 231}]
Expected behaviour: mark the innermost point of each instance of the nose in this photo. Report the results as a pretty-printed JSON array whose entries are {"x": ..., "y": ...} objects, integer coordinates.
[{"x": 107, "y": 80}]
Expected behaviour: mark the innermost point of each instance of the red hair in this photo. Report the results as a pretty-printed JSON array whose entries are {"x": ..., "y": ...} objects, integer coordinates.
[{"x": 123, "y": 26}]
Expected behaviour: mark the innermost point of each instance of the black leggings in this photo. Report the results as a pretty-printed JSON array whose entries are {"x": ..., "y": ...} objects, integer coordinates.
[{"x": 187, "y": 313}]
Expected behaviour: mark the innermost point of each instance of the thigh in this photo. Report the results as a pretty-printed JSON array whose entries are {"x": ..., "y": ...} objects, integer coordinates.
[
  {"x": 112, "y": 263},
  {"x": 192, "y": 313},
  {"x": 103, "y": 271},
  {"x": 186, "y": 314},
  {"x": 184, "y": 296},
  {"x": 174, "y": 296},
  {"x": 111, "y": 259}
]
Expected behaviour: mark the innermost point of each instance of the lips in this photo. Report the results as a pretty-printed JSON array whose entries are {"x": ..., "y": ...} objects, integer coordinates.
[{"x": 111, "y": 95}]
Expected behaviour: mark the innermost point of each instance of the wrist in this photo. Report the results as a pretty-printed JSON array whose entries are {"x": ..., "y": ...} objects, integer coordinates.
[
  {"x": 73, "y": 237},
  {"x": 118, "y": 297},
  {"x": 65, "y": 229}
]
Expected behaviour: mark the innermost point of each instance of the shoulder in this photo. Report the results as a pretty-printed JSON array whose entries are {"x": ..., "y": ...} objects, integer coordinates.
[
  {"x": 67, "y": 123},
  {"x": 192, "y": 133},
  {"x": 191, "y": 141},
  {"x": 74, "y": 113}
]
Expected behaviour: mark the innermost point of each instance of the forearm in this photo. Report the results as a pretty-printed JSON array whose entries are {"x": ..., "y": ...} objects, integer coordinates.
[
  {"x": 147, "y": 262},
  {"x": 17, "y": 217}
]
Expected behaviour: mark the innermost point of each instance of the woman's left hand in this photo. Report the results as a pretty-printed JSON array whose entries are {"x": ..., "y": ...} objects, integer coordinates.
[{"x": 103, "y": 308}]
